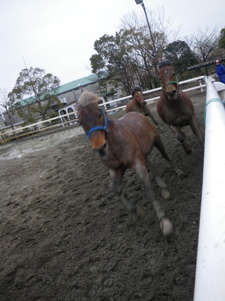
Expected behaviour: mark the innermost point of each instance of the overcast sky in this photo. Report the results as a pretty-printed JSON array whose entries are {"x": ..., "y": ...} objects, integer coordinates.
[{"x": 58, "y": 35}]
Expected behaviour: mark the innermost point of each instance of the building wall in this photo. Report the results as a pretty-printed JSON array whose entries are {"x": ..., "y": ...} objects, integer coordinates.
[
  {"x": 2, "y": 123},
  {"x": 73, "y": 95},
  {"x": 69, "y": 99},
  {"x": 14, "y": 118}
]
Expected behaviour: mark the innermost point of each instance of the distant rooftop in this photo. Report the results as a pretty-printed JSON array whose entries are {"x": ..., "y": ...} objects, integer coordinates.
[{"x": 84, "y": 81}]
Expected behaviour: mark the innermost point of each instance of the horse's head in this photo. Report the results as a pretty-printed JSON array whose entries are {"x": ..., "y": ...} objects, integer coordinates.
[
  {"x": 93, "y": 120},
  {"x": 169, "y": 79},
  {"x": 137, "y": 94}
]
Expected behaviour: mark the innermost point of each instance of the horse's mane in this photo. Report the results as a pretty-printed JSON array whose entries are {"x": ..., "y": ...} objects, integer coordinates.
[
  {"x": 86, "y": 98},
  {"x": 164, "y": 63}
]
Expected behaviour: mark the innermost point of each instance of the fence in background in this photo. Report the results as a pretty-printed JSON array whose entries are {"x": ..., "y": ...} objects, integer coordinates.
[
  {"x": 198, "y": 83},
  {"x": 115, "y": 105}
]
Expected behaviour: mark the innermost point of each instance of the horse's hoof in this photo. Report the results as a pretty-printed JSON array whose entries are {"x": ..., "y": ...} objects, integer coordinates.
[
  {"x": 181, "y": 174},
  {"x": 187, "y": 147},
  {"x": 165, "y": 193},
  {"x": 189, "y": 150},
  {"x": 160, "y": 182},
  {"x": 166, "y": 227},
  {"x": 139, "y": 214}
]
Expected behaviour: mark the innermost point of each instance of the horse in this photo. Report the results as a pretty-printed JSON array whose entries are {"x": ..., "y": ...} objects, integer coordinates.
[
  {"x": 175, "y": 108},
  {"x": 122, "y": 144},
  {"x": 138, "y": 104}
]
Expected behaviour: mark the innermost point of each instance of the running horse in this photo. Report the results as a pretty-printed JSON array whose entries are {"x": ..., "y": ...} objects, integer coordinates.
[
  {"x": 122, "y": 144},
  {"x": 138, "y": 104},
  {"x": 175, "y": 108}
]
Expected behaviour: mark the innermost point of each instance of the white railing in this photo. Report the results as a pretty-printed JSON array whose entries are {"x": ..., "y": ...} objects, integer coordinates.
[
  {"x": 40, "y": 126},
  {"x": 197, "y": 80},
  {"x": 210, "y": 269}
]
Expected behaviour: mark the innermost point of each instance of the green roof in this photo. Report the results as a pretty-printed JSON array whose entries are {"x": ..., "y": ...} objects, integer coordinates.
[
  {"x": 25, "y": 102},
  {"x": 107, "y": 93},
  {"x": 65, "y": 88},
  {"x": 77, "y": 83}
]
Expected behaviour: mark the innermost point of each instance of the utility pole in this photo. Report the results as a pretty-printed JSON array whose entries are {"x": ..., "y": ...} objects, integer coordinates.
[{"x": 155, "y": 56}]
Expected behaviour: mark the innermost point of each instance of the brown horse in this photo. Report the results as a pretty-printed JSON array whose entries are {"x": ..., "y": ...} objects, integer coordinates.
[
  {"x": 175, "y": 108},
  {"x": 138, "y": 104},
  {"x": 122, "y": 144}
]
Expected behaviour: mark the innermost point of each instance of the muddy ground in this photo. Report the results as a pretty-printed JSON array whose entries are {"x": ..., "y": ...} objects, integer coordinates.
[{"x": 65, "y": 236}]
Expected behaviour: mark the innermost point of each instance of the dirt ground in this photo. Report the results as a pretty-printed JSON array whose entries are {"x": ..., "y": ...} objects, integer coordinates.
[{"x": 65, "y": 236}]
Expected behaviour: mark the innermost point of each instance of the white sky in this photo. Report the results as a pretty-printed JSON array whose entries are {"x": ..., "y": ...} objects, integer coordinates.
[{"x": 58, "y": 35}]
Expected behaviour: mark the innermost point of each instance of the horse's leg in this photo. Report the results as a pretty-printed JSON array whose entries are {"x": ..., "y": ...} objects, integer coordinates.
[
  {"x": 162, "y": 185},
  {"x": 117, "y": 176},
  {"x": 182, "y": 139},
  {"x": 149, "y": 113},
  {"x": 155, "y": 122},
  {"x": 197, "y": 131},
  {"x": 160, "y": 146},
  {"x": 142, "y": 171}
]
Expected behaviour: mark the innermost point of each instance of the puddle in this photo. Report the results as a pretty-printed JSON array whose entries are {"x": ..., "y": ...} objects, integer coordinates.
[
  {"x": 17, "y": 152},
  {"x": 19, "y": 149}
]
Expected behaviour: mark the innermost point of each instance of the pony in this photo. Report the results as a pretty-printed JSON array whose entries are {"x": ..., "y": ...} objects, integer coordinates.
[
  {"x": 138, "y": 104},
  {"x": 122, "y": 144},
  {"x": 175, "y": 108}
]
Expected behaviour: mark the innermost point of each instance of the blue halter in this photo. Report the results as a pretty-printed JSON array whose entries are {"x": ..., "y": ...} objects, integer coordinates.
[{"x": 100, "y": 127}]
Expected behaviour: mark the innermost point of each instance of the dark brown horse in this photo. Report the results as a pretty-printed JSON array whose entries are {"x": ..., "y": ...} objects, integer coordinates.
[
  {"x": 138, "y": 104},
  {"x": 175, "y": 108},
  {"x": 123, "y": 144}
]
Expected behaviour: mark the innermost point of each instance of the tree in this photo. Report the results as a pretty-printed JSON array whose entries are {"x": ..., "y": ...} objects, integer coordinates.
[
  {"x": 110, "y": 61},
  {"x": 205, "y": 44},
  {"x": 131, "y": 56},
  {"x": 152, "y": 37},
  {"x": 34, "y": 94},
  {"x": 126, "y": 58},
  {"x": 6, "y": 104},
  {"x": 180, "y": 55},
  {"x": 222, "y": 38},
  {"x": 142, "y": 55}
]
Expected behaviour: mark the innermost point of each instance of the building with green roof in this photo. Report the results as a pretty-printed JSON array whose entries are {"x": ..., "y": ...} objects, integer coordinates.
[{"x": 68, "y": 95}]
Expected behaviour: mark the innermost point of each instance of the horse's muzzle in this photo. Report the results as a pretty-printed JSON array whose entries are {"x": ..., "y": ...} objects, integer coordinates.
[
  {"x": 103, "y": 150},
  {"x": 98, "y": 141},
  {"x": 172, "y": 94}
]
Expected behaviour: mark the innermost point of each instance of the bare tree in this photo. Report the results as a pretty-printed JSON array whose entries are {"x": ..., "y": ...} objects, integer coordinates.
[
  {"x": 156, "y": 34},
  {"x": 205, "y": 44}
]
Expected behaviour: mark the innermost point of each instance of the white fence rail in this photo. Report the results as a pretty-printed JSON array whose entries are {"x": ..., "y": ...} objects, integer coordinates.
[
  {"x": 210, "y": 270},
  {"x": 199, "y": 81},
  {"x": 52, "y": 123}
]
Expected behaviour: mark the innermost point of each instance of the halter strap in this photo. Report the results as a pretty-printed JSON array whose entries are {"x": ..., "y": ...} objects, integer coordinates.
[
  {"x": 100, "y": 127},
  {"x": 171, "y": 82}
]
